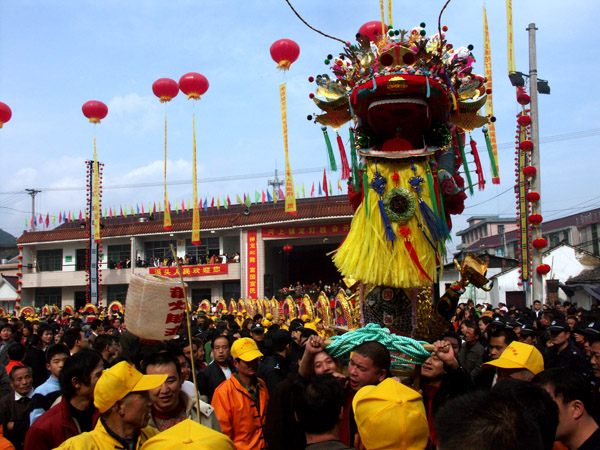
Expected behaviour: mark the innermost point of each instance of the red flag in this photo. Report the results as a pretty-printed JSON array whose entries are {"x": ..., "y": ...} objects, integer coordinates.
[
  {"x": 312, "y": 191},
  {"x": 142, "y": 208},
  {"x": 31, "y": 222},
  {"x": 263, "y": 196},
  {"x": 244, "y": 198},
  {"x": 154, "y": 208},
  {"x": 212, "y": 203},
  {"x": 69, "y": 216},
  {"x": 228, "y": 202},
  {"x": 182, "y": 206},
  {"x": 121, "y": 210},
  {"x": 47, "y": 220},
  {"x": 325, "y": 185},
  {"x": 59, "y": 217}
]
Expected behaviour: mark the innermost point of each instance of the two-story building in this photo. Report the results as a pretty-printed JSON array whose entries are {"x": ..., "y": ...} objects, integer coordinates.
[{"x": 54, "y": 262}]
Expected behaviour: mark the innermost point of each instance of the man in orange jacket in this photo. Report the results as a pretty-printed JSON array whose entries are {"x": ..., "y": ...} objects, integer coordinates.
[{"x": 241, "y": 402}]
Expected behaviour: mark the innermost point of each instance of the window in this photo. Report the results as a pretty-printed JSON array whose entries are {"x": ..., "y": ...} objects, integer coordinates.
[
  {"x": 159, "y": 249},
  {"x": 117, "y": 253},
  {"x": 499, "y": 251},
  {"x": 80, "y": 259},
  {"x": 49, "y": 260},
  {"x": 566, "y": 236},
  {"x": 80, "y": 299},
  {"x": 208, "y": 247},
  {"x": 485, "y": 232},
  {"x": 116, "y": 292},
  {"x": 200, "y": 294},
  {"x": 48, "y": 296},
  {"x": 500, "y": 230}
]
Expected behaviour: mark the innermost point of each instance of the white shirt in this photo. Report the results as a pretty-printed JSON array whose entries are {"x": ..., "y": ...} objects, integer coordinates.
[{"x": 226, "y": 370}]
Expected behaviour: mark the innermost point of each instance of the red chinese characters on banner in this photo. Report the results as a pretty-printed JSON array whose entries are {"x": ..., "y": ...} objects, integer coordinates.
[
  {"x": 176, "y": 310},
  {"x": 252, "y": 271},
  {"x": 190, "y": 271},
  {"x": 304, "y": 231}
]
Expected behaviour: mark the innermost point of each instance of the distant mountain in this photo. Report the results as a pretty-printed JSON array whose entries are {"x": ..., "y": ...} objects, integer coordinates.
[{"x": 7, "y": 239}]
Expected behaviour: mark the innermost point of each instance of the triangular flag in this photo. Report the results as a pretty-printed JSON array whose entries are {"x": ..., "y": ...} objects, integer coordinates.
[
  {"x": 218, "y": 202},
  {"x": 26, "y": 222},
  {"x": 80, "y": 216},
  {"x": 269, "y": 198},
  {"x": 320, "y": 191},
  {"x": 137, "y": 207},
  {"x": 205, "y": 206},
  {"x": 159, "y": 207},
  {"x": 256, "y": 197},
  {"x": 228, "y": 201},
  {"x": 142, "y": 209},
  {"x": 225, "y": 204},
  {"x": 34, "y": 222},
  {"x": 212, "y": 203},
  {"x": 282, "y": 195},
  {"x": 238, "y": 199},
  {"x": 182, "y": 206},
  {"x": 244, "y": 198},
  {"x": 248, "y": 201},
  {"x": 274, "y": 195},
  {"x": 263, "y": 196},
  {"x": 125, "y": 212},
  {"x": 330, "y": 189},
  {"x": 297, "y": 191},
  {"x": 303, "y": 193},
  {"x": 325, "y": 184},
  {"x": 312, "y": 191},
  {"x": 59, "y": 217},
  {"x": 47, "y": 220},
  {"x": 340, "y": 185},
  {"x": 69, "y": 216},
  {"x": 154, "y": 208},
  {"x": 176, "y": 208},
  {"x": 53, "y": 218},
  {"x": 121, "y": 210},
  {"x": 132, "y": 212},
  {"x": 188, "y": 205}
]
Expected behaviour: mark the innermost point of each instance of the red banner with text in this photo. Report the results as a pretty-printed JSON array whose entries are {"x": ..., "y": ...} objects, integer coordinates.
[
  {"x": 301, "y": 231},
  {"x": 252, "y": 266},
  {"x": 190, "y": 271}
]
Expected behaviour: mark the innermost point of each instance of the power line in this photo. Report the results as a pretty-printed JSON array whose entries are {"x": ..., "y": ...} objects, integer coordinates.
[{"x": 546, "y": 140}]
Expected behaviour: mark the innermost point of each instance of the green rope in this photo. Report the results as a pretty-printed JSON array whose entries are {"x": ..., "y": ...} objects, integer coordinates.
[{"x": 347, "y": 342}]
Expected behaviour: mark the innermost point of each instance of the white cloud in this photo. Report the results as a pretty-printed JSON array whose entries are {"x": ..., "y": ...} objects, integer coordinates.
[{"x": 134, "y": 113}]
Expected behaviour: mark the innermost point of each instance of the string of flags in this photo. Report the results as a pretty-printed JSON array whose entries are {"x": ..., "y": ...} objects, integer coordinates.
[{"x": 318, "y": 189}]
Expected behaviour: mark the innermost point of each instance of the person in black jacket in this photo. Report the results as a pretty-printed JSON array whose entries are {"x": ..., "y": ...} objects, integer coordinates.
[
  {"x": 219, "y": 370},
  {"x": 444, "y": 378},
  {"x": 275, "y": 369},
  {"x": 16, "y": 406}
]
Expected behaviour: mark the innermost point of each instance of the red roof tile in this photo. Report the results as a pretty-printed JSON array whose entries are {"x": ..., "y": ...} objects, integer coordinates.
[{"x": 311, "y": 208}]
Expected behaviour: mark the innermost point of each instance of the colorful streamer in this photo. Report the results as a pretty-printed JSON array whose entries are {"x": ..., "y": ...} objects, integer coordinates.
[
  {"x": 489, "y": 105},
  {"x": 196, "y": 212}
]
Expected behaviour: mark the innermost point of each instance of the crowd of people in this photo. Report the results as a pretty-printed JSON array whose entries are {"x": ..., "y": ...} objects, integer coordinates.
[
  {"x": 511, "y": 378},
  {"x": 168, "y": 261}
]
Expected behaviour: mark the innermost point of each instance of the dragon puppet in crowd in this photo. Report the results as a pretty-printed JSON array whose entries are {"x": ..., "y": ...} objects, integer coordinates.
[{"x": 409, "y": 100}]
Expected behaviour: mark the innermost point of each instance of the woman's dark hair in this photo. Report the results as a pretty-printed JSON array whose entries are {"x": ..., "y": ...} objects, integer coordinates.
[{"x": 79, "y": 366}]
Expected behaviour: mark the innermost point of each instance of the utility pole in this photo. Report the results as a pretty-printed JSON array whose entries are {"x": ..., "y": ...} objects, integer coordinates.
[
  {"x": 33, "y": 193},
  {"x": 537, "y": 287}
]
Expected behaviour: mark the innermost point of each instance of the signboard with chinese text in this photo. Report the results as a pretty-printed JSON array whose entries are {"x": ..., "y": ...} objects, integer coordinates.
[
  {"x": 190, "y": 271},
  {"x": 252, "y": 265},
  {"x": 305, "y": 231}
]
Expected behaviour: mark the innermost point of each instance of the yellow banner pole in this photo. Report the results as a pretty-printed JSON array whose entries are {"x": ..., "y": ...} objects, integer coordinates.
[{"x": 290, "y": 197}]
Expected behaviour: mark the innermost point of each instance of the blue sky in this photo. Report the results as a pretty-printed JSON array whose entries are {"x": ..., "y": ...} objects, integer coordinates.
[{"x": 56, "y": 55}]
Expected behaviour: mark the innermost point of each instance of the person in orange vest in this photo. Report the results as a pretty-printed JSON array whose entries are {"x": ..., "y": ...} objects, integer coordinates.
[{"x": 241, "y": 401}]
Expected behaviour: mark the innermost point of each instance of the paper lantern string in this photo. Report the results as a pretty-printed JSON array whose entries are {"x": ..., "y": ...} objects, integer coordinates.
[{"x": 413, "y": 349}]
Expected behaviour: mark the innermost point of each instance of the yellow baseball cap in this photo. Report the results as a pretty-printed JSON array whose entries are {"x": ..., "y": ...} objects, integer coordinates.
[
  {"x": 391, "y": 415},
  {"x": 310, "y": 326},
  {"x": 519, "y": 356},
  {"x": 245, "y": 349},
  {"x": 118, "y": 381},
  {"x": 305, "y": 318},
  {"x": 269, "y": 316},
  {"x": 189, "y": 435}
]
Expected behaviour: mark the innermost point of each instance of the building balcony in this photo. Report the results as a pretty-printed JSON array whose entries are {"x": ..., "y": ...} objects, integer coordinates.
[{"x": 123, "y": 276}]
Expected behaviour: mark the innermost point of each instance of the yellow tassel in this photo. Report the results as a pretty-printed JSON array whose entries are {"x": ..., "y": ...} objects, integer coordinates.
[
  {"x": 367, "y": 256},
  {"x": 284, "y": 64}
]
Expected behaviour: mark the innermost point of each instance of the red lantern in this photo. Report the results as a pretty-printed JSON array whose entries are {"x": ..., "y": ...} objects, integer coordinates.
[
  {"x": 532, "y": 197},
  {"x": 193, "y": 85},
  {"x": 287, "y": 248},
  {"x": 372, "y": 30},
  {"x": 536, "y": 219},
  {"x": 540, "y": 243},
  {"x": 526, "y": 146},
  {"x": 20, "y": 257},
  {"x": 524, "y": 121},
  {"x": 5, "y": 113},
  {"x": 19, "y": 274},
  {"x": 284, "y": 52},
  {"x": 18, "y": 291},
  {"x": 529, "y": 171},
  {"x": 543, "y": 269},
  {"x": 522, "y": 97},
  {"x": 165, "y": 89},
  {"x": 94, "y": 110}
]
